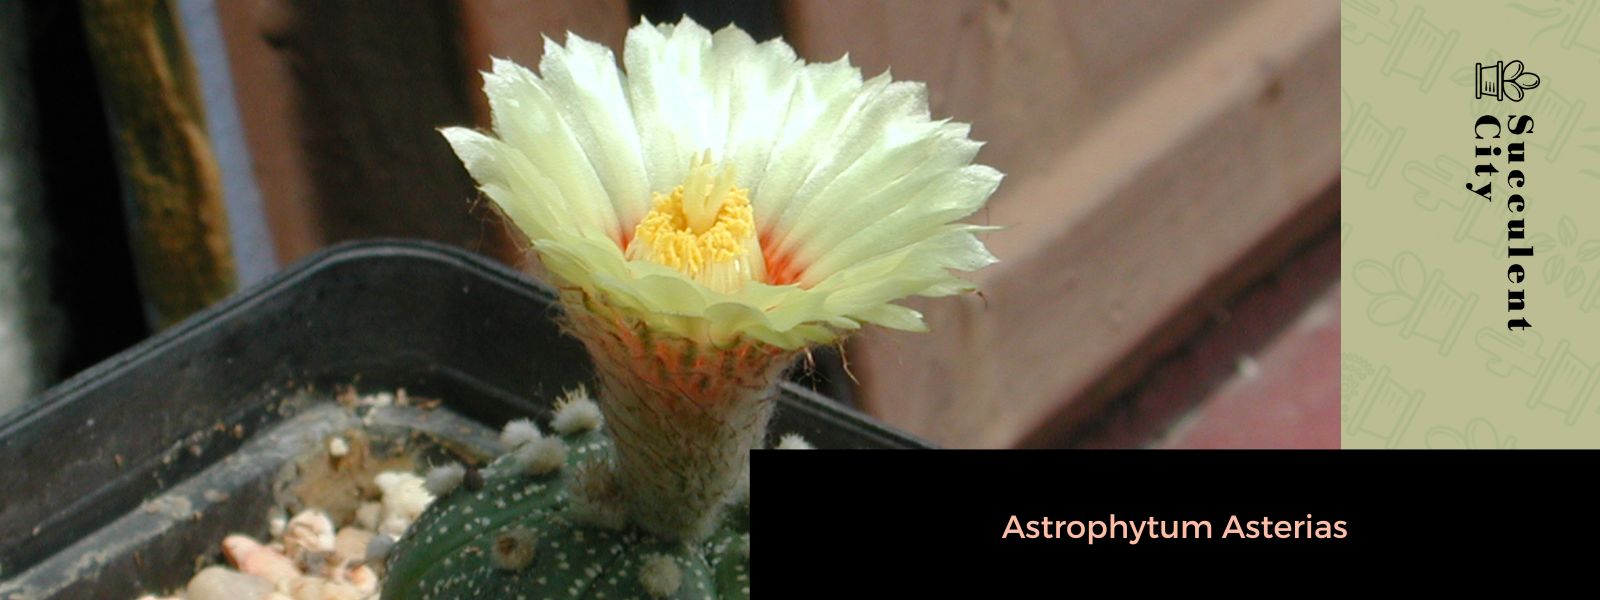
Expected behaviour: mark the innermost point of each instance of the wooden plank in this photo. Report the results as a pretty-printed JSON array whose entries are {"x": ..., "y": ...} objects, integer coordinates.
[
  {"x": 1233, "y": 337},
  {"x": 515, "y": 30},
  {"x": 169, "y": 172},
  {"x": 762, "y": 19},
  {"x": 371, "y": 85},
  {"x": 254, "y": 257},
  {"x": 341, "y": 103},
  {"x": 263, "y": 87},
  {"x": 1288, "y": 399},
  {"x": 1117, "y": 224},
  {"x": 1030, "y": 76}
]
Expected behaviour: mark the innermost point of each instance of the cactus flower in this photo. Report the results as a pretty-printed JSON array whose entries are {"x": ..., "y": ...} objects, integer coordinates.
[{"x": 710, "y": 209}]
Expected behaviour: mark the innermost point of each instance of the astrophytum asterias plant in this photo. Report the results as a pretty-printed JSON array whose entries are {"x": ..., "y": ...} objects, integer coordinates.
[{"x": 709, "y": 212}]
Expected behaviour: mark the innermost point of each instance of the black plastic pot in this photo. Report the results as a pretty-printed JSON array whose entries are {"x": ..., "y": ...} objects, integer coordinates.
[{"x": 117, "y": 480}]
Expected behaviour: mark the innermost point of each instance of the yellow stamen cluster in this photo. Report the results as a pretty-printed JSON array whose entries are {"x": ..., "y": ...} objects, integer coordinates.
[{"x": 705, "y": 229}]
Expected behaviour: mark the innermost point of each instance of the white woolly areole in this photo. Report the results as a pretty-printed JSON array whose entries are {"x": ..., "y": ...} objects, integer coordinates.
[
  {"x": 793, "y": 441},
  {"x": 513, "y": 549},
  {"x": 660, "y": 576},
  {"x": 595, "y": 499},
  {"x": 576, "y": 412},
  {"x": 541, "y": 456},
  {"x": 519, "y": 432},
  {"x": 443, "y": 479}
]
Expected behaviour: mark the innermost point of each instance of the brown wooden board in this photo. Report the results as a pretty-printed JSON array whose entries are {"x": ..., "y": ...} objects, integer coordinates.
[
  {"x": 341, "y": 103},
  {"x": 1152, "y": 155}
]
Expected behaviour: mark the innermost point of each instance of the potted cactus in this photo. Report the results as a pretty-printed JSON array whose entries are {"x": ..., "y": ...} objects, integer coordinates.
[
  {"x": 704, "y": 218},
  {"x": 707, "y": 214},
  {"x": 136, "y": 469}
]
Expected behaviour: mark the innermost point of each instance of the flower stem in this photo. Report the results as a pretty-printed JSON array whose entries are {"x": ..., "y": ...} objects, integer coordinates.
[{"x": 683, "y": 417}]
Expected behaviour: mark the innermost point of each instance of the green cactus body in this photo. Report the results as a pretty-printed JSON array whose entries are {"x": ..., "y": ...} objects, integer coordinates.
[{"x": 449, "y": 552}]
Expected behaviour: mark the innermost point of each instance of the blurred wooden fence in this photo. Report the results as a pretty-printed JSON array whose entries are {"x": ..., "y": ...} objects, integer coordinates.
[{"x": 1159, "y": 155}]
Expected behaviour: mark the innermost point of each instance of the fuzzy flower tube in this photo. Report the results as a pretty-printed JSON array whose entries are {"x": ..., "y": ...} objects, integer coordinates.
[{"x": 707, "y": 212}]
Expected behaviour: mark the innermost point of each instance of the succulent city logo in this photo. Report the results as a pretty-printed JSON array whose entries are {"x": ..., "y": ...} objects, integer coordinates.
[
  {"x": 1505, "y": 80},
  {"x": 1491, "y": 145}
]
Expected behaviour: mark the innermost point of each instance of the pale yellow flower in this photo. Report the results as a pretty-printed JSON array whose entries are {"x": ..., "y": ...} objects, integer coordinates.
[
  {"x": 724, "y": 191},
  {"x": 708, "y": 214}
]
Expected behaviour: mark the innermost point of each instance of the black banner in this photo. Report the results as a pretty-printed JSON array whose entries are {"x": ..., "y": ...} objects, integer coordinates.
[{"x": 935, "y": 521}]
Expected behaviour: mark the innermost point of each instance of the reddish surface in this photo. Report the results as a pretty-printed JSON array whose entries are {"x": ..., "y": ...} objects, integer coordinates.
[
  {"x": 1288, "y": 399},
  {"x": 1264, "y": 374}
]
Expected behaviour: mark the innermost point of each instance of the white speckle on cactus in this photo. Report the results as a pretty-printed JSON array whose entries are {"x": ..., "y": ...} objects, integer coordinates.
[
  {"x": 513, "y": 549},
  {"x": 660, "y": 576},
  {"x": 744, "y": 546},
  {"x": 518, "y": 433},
  {"x": 576, "y": 412},
  {"x": 539, "y": 457},
  {"x": 442, "y": 480},
  {"x": 793, "y": 441}
]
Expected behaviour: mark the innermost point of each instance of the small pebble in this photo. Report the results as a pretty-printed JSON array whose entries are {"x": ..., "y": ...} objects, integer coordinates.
[
  {"x": 253, "y": 558},
  {"x": 318, "y": 588},
  {"x": 277, "y": 521},
  {"x": 337, "y": 447},
  {"x": 369, "y": 514},
  {"x": 222, "y": 583},
  {"x": 363, "y": 579},
  {"x": 350, "y": 546},
  {"x": 378, "y": 549},
  {"x": 309, "y": 533},
  {"x": 404, "y": 498},
  {"x": 317, "y": 563}
]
